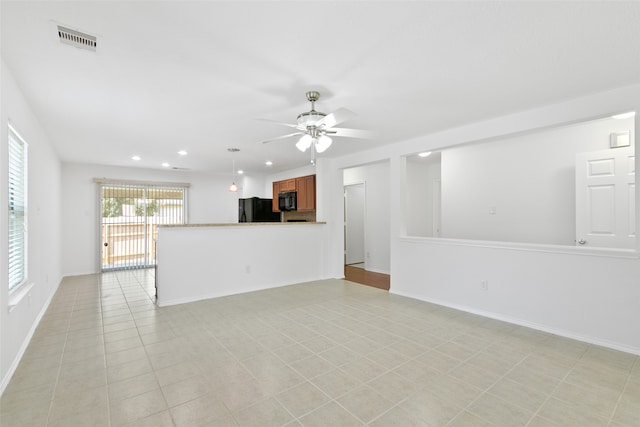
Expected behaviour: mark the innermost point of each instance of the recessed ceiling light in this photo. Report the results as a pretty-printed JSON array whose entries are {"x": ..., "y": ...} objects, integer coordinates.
[
  {"x": 136, "y": 158},
  {"x": 425, "y": 154},
  {"x": 182, "y": 152},
  {"x": 268, "y": 163},
  {"x": 165, "y": 165},
  {"x": 240, "y": 171},
  {"x": 624, "y": 115}
]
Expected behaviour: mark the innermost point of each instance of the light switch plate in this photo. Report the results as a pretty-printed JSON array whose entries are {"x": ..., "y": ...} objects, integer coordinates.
[{"x": 620, "y": 139}]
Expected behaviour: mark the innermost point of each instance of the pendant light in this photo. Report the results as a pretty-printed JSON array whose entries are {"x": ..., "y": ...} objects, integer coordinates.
[{"x": 233, "y": 188}]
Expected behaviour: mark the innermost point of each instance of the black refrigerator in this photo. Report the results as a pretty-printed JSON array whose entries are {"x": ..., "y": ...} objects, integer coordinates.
[{"x": 256, "y": 209}]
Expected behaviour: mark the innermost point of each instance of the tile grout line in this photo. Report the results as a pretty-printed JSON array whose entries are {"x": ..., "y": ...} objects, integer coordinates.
[
  {"x": 106, "y": 368},
  {"x": 567, "y": 362},
  {"x": 55, "y": 387},
  {"x": 624, "y": 388},
  {"x": 122, "y": 292},
  {"x": 550, "y": 396},
  {"x": 146, "y": 354}
]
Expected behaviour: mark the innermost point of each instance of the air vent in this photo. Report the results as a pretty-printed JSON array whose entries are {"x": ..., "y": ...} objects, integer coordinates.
[{"x": 77, "y": 39}]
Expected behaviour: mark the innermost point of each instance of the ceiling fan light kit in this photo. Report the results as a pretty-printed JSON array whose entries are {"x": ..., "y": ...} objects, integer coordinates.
[
  {"x": 304, "y": 143},
  {"x": 314, "y": 126},
  {"x": 322, "y": 143}
]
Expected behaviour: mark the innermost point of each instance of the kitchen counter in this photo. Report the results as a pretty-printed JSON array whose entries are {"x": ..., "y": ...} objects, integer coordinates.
[
  {"x": 235, "y": 224},
  {"x": 199, "y": 261}
]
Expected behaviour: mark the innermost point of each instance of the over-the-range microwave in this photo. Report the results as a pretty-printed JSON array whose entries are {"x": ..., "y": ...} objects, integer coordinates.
[{"x": 287, "y": 201}]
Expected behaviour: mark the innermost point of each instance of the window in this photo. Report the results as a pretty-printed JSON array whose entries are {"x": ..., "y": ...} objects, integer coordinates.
[{"x": 17, "y": 197}]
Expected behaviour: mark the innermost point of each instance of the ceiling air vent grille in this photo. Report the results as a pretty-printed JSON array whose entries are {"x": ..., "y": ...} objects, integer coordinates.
[{"x": 77, "y": 39}]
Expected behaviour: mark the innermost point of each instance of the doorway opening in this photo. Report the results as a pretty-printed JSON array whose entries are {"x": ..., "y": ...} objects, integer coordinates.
[
  {"x": 129, "y": 219},
  {"x": 354, "y": 225},
  {"x": 355, "y": 256}
]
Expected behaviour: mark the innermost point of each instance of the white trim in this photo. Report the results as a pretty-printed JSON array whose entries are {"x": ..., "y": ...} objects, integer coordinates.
[
  {"x": 520, "y": 322},
  {"x": 526, "y": 247},
  {"x": 18, "y": 293},
  {"x": 109, "y": 181},
  {"x": 243, "y": 290}
]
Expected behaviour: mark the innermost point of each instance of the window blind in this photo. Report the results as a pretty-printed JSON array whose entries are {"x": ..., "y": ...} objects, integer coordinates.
[{"x": 17, "y": 158}]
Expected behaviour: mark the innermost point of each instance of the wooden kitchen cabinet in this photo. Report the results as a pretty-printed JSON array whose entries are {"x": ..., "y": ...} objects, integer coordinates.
[
  {"x": 276, "y": 191},
  {"x": 306, "y": 188},
  {"x": 288, "y": 185},
  {"x": 280, "y": 187}
]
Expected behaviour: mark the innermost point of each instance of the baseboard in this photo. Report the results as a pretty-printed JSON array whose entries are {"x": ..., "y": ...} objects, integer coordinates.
[
  {"x": 27, "y": 340},
  {"x": 520, "y": 322},
  {"x": 80, "y": 273},
  {"x": 210, "y": 295}
]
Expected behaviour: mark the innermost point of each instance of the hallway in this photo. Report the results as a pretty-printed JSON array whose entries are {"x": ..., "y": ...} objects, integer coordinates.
[{"x": 369, "y": 278}]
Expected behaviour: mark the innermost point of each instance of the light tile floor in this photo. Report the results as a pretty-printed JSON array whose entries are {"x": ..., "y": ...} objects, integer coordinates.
[{"x": 328, "y": 353}]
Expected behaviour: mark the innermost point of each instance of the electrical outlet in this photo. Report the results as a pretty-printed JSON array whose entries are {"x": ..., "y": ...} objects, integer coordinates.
[
  {"x": 484, "y": 285},
  {"x": 247, "y": 269}
]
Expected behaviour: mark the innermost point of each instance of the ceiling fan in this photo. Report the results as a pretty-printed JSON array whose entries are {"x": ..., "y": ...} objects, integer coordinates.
[{"x": 316, "y": 128}]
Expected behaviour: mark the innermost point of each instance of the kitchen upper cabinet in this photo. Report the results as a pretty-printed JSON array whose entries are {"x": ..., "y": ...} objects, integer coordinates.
[
  {"x": 276, "y": 191},
  {"x": 306, "y": 188},
  {"x": 288, "y": 185}
]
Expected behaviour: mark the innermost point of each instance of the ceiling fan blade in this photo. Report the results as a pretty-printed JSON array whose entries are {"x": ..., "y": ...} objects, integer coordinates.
[
  {"x": 283, "y": 137},
  {"x": 349, "y": 133},
  {"x": 278, "y": 123},
  {"x": 337, "y": 117}
]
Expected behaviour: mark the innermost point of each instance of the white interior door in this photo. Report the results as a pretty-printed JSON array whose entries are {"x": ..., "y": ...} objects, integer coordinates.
[
  {"x": 605, "y": 198},
  {"x": 354, "y": 213}
]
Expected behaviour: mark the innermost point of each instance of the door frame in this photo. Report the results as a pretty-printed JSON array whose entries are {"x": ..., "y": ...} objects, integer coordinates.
[{"x": 149, "y": 243}]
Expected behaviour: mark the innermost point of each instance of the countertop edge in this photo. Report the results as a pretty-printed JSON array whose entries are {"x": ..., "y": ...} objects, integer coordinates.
[{"x": 240, "y": 224}]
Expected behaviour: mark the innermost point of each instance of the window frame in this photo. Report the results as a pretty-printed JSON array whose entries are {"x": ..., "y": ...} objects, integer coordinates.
[{"x": 17, "y": 143}]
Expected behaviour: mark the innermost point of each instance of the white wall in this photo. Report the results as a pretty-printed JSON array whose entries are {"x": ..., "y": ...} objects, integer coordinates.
[
  {"x": 254, "y": 186},
  {"x": 528, "y": 179},
  {"x": 43, "y": 259},
  {"x": 376, "y": 232},
  {"x": 266, "y": 256},
  {"x": 422, "y": 174},
  {"x": 209, "y": 201},
  {"x": 586, "y": 296},
  {"x": 599, "y": 303}
]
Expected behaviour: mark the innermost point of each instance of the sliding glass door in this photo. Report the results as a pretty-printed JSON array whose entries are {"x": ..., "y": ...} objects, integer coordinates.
[{"x": 130, "y": 215}]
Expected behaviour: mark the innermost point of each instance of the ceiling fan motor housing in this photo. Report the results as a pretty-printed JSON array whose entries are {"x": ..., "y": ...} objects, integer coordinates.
[
  {"x": 308, "y": 119},
  {"x": 313, "y": 96}
]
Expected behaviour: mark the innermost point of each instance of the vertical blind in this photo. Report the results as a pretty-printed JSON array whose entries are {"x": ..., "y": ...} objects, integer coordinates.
[
  {"x": 17, "y": 209},
  {"x": 131, "y": 213}
]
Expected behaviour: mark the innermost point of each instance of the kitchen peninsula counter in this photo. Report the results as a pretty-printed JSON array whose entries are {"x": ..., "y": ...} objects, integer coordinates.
[
  {"x": 201, "y": 261},
  {"x": 235, "y": 224}
]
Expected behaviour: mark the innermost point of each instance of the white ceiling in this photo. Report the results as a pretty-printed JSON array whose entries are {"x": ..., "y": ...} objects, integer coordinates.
[{"x": 199, "y": 75}]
